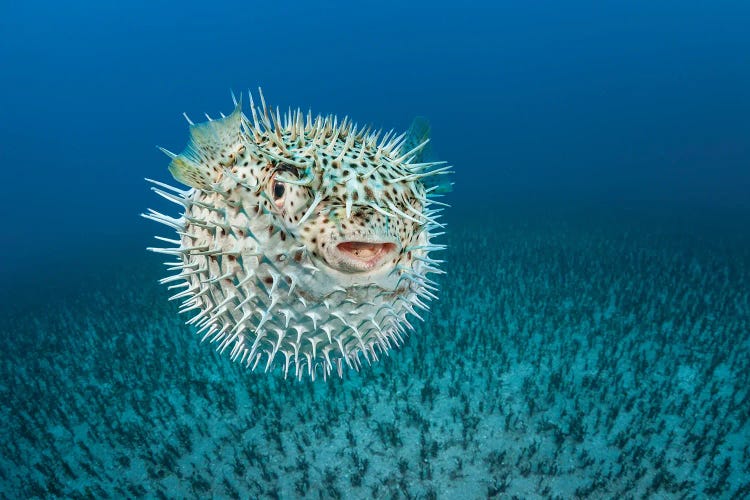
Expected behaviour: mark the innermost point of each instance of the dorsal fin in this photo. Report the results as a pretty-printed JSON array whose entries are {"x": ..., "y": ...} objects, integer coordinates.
[
  {"x": 211, "y": 147},
  {"x": 419, "y": 131}
]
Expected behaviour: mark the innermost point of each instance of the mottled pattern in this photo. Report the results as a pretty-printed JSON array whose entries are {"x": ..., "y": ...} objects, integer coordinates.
[{"x": 304, "y": 241}]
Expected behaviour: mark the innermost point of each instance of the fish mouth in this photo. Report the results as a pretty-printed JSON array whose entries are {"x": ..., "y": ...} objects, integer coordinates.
[{"x": 362, "y": 256}]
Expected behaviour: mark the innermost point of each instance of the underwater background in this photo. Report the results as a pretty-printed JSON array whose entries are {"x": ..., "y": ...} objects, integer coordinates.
[{"x": 592, "y": 337}]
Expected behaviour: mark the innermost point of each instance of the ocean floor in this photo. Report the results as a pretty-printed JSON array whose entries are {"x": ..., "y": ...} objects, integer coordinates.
[{"x": 567, "y": 356}]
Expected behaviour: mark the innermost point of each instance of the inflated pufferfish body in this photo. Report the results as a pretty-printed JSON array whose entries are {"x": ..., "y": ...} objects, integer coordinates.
[{"x": 304, "y": 241}]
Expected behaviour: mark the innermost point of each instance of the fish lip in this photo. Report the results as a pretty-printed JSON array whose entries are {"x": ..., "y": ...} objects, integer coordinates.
[{"x": 342, "y": 254}]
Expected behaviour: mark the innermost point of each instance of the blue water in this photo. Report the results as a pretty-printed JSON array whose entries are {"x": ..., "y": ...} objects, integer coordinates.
[{"x": 593, "y": 333}]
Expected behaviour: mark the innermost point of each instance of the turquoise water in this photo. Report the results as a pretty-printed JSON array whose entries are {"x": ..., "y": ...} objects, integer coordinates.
[
  {"x": 592, "y": 333},
  {"x": 573, "y": 353}
]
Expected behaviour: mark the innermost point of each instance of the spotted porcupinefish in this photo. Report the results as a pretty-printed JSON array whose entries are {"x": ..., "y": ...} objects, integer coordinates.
[{"x": 305, "y": 241}]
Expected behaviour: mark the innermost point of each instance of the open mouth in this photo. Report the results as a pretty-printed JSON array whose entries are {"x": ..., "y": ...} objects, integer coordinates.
[
  {"x": 357, "y": 256},
  {"x": 364, "y": 250}
]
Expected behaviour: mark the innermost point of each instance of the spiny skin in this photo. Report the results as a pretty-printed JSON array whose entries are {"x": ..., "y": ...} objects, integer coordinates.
[{"x": 304, "y": 242}]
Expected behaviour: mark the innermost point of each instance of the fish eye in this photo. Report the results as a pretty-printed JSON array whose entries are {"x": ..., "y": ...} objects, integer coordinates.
[{"x": 278, "y": 190}]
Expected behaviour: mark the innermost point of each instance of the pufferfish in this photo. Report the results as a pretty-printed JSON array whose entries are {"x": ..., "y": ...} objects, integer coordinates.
[{"x": 305, "y": 241}]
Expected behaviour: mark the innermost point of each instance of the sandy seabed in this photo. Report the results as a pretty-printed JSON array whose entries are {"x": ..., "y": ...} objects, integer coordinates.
[{"x": 568, "y": 358}]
